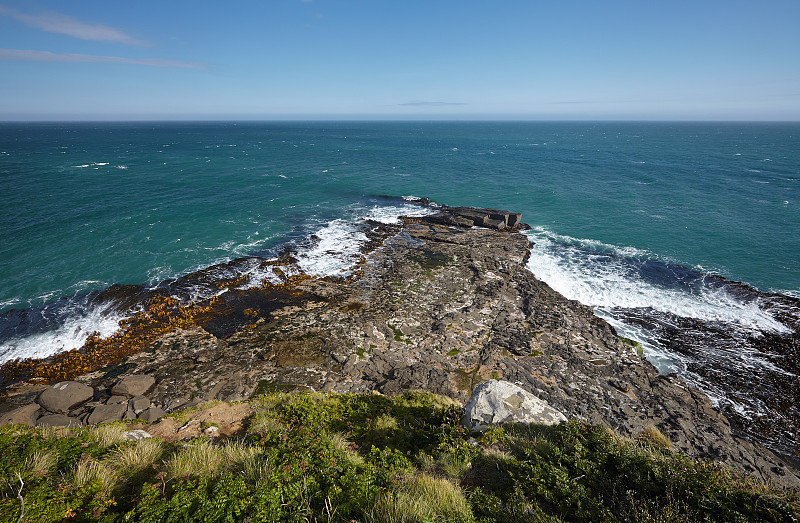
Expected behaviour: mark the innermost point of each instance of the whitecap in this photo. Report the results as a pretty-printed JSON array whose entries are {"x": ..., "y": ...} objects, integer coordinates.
[{"x": 8, "y": 303}]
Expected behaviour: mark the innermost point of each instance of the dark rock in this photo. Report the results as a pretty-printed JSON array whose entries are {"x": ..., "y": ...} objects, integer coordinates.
[
  {"x": 65, "y": 396},
  {"x": 25, "y": 415},
  {"x": 139, "y": 403},
  {"x": 495, "y": 224},
  {"x": 107, "y": 413},
  {"x": 151, "y": 415},
  {"x": 133, "y": 385},
  {"x": 58, "y": 420},
  {"x": 471, "y": 216}
]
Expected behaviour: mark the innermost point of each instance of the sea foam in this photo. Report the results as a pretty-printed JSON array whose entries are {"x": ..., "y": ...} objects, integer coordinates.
[
  {"x": 75, "y": 323},
  {"x": 604, "y": 276}
]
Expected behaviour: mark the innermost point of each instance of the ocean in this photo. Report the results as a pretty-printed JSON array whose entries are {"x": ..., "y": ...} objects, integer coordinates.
[{"x": 624, "y": 216}]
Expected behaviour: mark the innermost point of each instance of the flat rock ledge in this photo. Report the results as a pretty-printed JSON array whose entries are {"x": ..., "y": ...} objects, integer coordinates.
[{"x": 443, "y": 304}]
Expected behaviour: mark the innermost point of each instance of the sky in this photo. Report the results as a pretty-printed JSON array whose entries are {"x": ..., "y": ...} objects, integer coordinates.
[{"x": 409, "y": 59}]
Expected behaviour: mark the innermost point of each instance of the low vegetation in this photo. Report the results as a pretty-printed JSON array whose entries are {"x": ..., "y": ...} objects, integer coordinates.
[{"x": 371, "y": 459}]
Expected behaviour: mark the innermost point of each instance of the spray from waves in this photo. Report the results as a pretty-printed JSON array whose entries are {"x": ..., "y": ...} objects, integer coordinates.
[
  {"x": 334, "y": 248},
  {"x": 56, "y": 327},
  {"x": 605, "y": 277}
]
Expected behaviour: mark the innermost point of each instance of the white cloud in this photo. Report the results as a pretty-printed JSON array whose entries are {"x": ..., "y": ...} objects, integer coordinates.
[
  {"x": 63, "y": 24},
  {"x": 47, "y": 56}
]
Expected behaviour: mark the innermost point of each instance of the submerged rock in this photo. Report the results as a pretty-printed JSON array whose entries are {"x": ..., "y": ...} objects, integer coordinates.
[{"x": 497, "y": 401}]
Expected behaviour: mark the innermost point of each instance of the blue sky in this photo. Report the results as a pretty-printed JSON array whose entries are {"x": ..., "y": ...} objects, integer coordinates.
[{"x": 283, "y": 59}]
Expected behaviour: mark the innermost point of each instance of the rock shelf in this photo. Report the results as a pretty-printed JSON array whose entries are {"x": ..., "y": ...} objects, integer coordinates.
[{"x": 442, "y": 303}]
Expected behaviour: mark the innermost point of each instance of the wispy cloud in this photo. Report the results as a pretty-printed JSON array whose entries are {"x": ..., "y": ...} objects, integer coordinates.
[
  {"x": 47, "y": 56},
  {"x": 63, "y": 24},
  {"x": 435, "y": 104}
]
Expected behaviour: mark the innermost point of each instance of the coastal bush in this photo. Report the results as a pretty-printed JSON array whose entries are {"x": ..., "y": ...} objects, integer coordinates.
[{"x": 371, "y": 458}]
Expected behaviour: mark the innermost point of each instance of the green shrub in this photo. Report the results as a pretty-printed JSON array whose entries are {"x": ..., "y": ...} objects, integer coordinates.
[{"x": 336, "y": 458}]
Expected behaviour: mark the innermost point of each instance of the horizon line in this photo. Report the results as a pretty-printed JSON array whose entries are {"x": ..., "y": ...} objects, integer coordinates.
[{"x": 386, "y": 118}]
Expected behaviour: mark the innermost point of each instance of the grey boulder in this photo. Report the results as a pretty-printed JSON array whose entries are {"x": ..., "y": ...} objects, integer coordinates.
[
  {"x": 107, "y": 413},
  {"x": 134, "y": 385},
  {"x": 64, "y": 396},
  {"x": 139, "y": 404},
  {"x": 135, "y": 435},
  {"x": 497, "y": 401},
  {"x": 25, "y": 415},
  {"x": 151, "y": 415}
]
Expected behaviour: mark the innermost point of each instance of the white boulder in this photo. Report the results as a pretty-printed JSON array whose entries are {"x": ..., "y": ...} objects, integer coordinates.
[{"x": 497, "y": 401}]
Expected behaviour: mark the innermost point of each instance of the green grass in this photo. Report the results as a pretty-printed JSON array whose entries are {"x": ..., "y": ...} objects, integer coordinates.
[{"x": 370, "y": 458}]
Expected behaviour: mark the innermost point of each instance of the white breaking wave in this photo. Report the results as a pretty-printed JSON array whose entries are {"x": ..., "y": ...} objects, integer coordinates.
[
  {"x": 335, "y": 248},
  {"x": 604, "y": 281},
  {"x": 336, "y": 251},
  {"x": 391, "y": 214},
  {"x": 70, "y": 335}
]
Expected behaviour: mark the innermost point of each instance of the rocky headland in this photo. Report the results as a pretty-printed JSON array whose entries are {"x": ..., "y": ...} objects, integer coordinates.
[{"x": 440, "y": 303}]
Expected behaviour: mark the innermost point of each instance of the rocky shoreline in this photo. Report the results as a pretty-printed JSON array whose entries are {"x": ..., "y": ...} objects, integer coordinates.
[{"x": 437, "y": 304}]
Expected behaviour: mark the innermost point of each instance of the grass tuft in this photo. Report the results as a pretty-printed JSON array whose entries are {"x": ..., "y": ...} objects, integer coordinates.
[
  {"x": 200, "y": 458},
  {"x": 109, "y": 434},
  {"x": 40, "y": 462},
  {"x": 421, "y": 499},
  {"x": 652, "y": 437},
  {"x": 136, "y": 457},
  {"x": 89, "y": 470}
]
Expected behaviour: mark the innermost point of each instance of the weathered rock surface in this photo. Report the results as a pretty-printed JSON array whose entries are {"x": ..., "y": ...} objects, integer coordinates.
[
  {"x": 133, "y": 385},
  {"x": 135, "y": 435},
  {"x": 497, "y": 401},
  {"x": 151, "y": 415},
  {"x": 442, "y": 306},
  {"x": 107, "y": 413},
  {"x": 62, "y": 397},
  {"x": 25, "y": 415}
]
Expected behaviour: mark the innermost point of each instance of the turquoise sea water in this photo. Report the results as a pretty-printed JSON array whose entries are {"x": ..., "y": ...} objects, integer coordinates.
[{"x": 616, "y": 209}]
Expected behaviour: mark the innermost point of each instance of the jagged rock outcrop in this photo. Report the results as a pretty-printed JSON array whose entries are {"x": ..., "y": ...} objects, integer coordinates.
[{"x": 440, "y": 305}]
